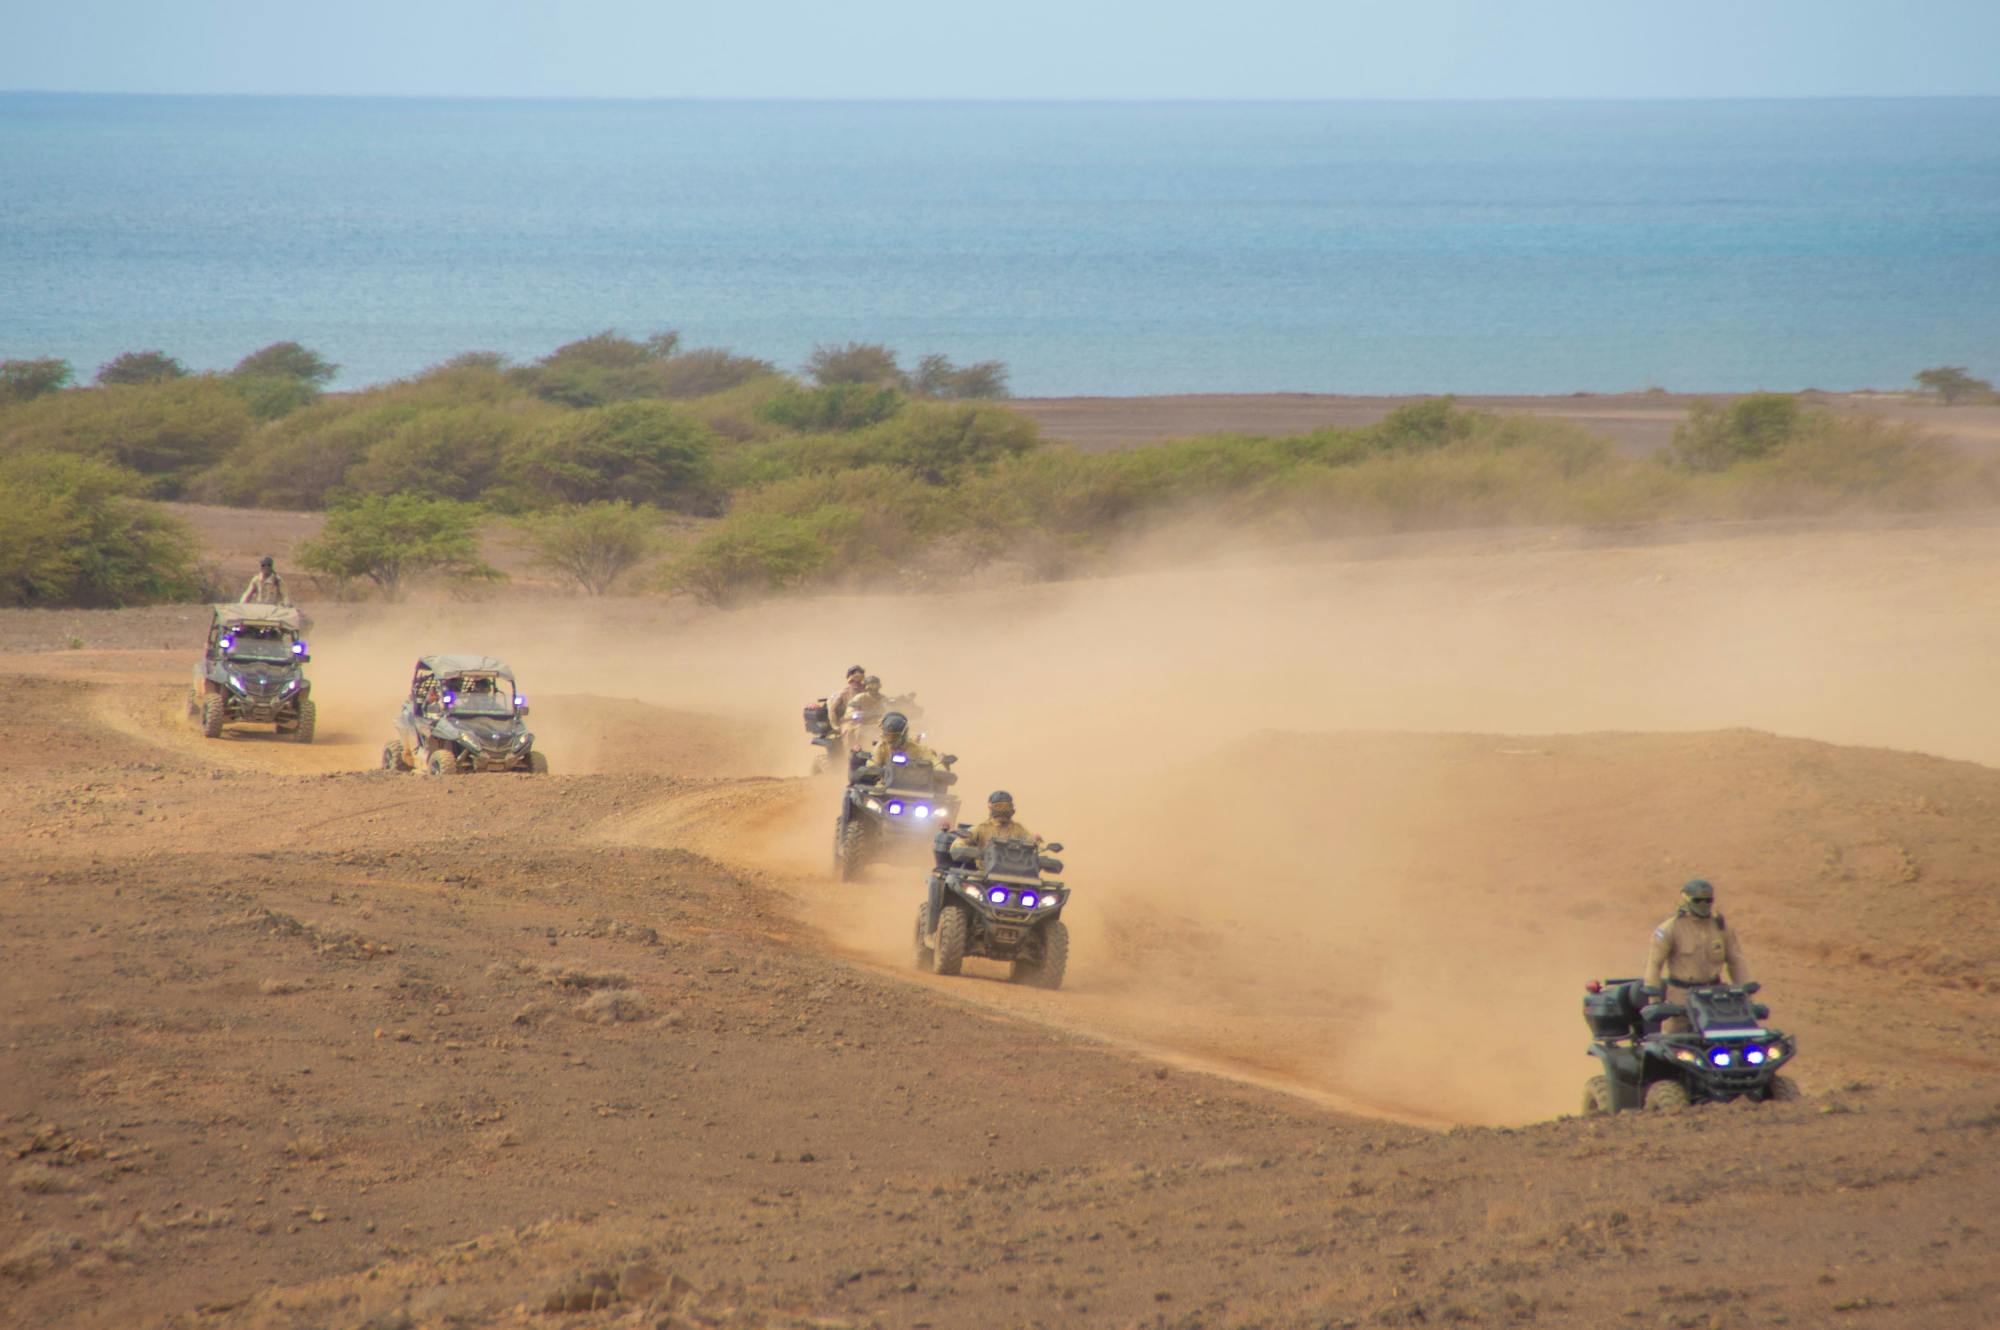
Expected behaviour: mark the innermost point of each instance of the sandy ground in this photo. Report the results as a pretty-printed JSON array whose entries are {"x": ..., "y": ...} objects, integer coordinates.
[{"x": 294, "y": 1042}]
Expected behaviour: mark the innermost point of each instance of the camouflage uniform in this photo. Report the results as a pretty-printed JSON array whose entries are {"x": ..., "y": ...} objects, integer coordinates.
[
  {"x": 993, "y": 829},
  {"x": 872, "y": 707},
  {"x": 265, "y": 589},
  {"x": 1690, "y": 949}
]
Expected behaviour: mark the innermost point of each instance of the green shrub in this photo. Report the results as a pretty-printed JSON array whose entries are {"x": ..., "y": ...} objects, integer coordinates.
[
  {"x": 71, "y": 534},
  {"x": 837, "y": 406},
  {"x": 756, "y": 553},
  {"x": 936, "y": 376},
  {"x": 1954, "y": 384},
  {"x": 640, "y": 452},
  {"x": 857, "y": 362},
  {"x": 591, "y": 545},
  {"x": 139, "y": 367},
  {"x": 286, "y": 360},
  {"x": 395, "y": 539},
  {"x": 1715, "y": 438},
  {"x": 25, "y": 380},
  {"x": 600, "y": 369},
  {"x": 446, "y": 453},
  {"x": 166, "y": 431},
  {"x": 705, "y": 370}
]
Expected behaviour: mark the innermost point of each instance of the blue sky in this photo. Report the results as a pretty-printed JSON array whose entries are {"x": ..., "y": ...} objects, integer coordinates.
[{"x": 1017, "y": 49}]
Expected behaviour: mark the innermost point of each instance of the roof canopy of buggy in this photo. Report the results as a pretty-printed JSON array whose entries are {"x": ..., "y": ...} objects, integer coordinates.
[
  {"x": 259, "y": 616},
  {"x": 447, "y": 665}
]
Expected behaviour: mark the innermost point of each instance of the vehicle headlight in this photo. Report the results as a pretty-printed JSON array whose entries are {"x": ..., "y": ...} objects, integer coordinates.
[
  {"x": 895, "y": 809},
  {"x": 1686, "y": 1055},
  {"x": 921, "y": 811},
  {"x": 1028, "y": 899},
  {"x": 1754, "y": 1056},
  {"x": 1720, "y": 1057},
  {"x": 236, "y": 682},
  {"x": 290, "y": 684},
  {"x": 998, "y": 895},
  {"x": 872, "y": 805},
  {"x": 1052, "y": 899}
]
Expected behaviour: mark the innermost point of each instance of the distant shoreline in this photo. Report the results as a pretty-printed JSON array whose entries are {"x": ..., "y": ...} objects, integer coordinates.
[{"x": 1639, "y": 422}]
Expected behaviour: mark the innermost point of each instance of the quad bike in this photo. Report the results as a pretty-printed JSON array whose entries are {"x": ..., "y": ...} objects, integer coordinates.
[
  {"x": 824, "y": 736},
  {"x": 994, "y": 902},
  {"x": 1727, "y": 1054},
  {"x": 837, "y": 738},
  {"x": 463, "y": 713},
  {"x": 890, "y": 805},
  {"x": 253, "y": 673}
]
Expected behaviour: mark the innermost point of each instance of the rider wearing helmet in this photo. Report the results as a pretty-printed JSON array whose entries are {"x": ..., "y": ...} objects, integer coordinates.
[
  {"x": 897, "y": 739},
  {"x": 1691, "y": 947},
  {"x": 999, "y": 825},
  {"x": 837, "y": 705},
  {"x": 266, "y": 588},
  {"x": 863, "y": 711}
]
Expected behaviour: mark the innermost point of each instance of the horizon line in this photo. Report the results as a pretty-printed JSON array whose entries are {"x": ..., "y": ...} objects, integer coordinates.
[{"x": 861, "y": 100}]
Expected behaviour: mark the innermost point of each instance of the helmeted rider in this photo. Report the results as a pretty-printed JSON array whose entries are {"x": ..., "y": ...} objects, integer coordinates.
[
  {"x": 897, "y": 741},
  {"x": 837, "y": 705},
  {"x": 999, "y": 825},
  {"x": 1690, "y": 948},
  {"x": 863, "y": 712}
]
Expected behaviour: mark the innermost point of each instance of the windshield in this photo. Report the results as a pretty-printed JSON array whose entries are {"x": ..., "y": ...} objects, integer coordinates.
[
  {"x": 270, "y": 649},
  {"x": 479, "y": 696}
]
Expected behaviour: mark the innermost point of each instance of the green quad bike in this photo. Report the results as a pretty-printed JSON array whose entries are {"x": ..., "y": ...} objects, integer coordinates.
[
  {"x": 253, "y": 673},
  {"x": 463, "y": 714},
  {"x": 994, "y": 902},
  {"x": 1726, "y": 1054}
]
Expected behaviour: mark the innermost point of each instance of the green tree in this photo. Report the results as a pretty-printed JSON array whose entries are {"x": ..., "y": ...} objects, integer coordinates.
[
  {"x": 706, "y": 369},
  {"x": 1715, "y": 438},
  {"x": 641, "y": 452},
  {"x": 71, "y": 534},
  {"x": 837, "y": 406},
  {"x": 25, "y": 380},
  {"x": 286, "y": 360},
  {"x": 166, "y": 431},
  {"x": 936, "y": 376},
  {"x": 1954, "y": 384},
  {"x": 600, "y": 369},
  {"x": 455, "y": 452},
  {"x": 394, "y": 539},
  {"x": 939, "y": 443},
  {"x": 752, "y": 553},
  {"x": 139, "y": 367},
  {"x": 856, "y": 362},
  {"x": 592, "y": 545}
]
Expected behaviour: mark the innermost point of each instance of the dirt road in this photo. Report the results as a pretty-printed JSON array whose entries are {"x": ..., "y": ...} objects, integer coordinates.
[{"x": 294, "y": 1042}]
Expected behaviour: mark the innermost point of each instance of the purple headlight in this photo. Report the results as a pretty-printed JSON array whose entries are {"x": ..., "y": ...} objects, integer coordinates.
[
  {"x": 449, "y": 698},
  {"x": 899, "y": 758},
  {"x": 1028, "y": 900},
  {"x": 298, "y": 648},
  {"x": 520, "y": 701},
  {"x": 998, "y": 896},
  {"x": 895, "y": 808},
  {"x": 1719, "y": 1057}
]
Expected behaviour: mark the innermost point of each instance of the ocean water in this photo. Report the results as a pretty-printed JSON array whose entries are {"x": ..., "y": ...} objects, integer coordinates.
[{"x": 1095, "y": 248}]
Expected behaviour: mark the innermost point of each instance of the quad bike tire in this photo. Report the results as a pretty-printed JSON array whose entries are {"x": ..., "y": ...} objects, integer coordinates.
[
  {"x": 212, "y": 716},
  {"x": 950, "y": 955},
  {"x": 1667, "y": 1097},
  {"x": 1047, "y": 970},
  {"x": 1596, "y": 1096},
  {"x": 441, "y": 763},
  {"x": 538, "y": 763},
  {"x": 392, "y": 755},
  {"x": 308, "y": 721},
  {"x": 924, "y": 953},
  {"x": 847, "y": 843},
  {"x": 1783, "y": 1090}
]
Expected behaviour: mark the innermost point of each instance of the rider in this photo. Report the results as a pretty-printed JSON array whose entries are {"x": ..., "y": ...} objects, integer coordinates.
[
  {"x": 999, "y": 825},
  {"x": 896, "y": 739},
  {"x": 863, "y": 710},
  {"x": 837, "y": 705},
  {"x": 266, "y": 588},
  {"x": 1692, "y": 946}
]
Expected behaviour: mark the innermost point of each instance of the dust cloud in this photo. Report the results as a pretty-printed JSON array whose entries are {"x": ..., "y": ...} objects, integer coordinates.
[{"x": 1328, "y": 818}]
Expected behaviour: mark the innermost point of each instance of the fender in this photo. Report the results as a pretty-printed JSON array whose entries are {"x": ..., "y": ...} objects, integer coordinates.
[{"x": 1621, "y": 1069}]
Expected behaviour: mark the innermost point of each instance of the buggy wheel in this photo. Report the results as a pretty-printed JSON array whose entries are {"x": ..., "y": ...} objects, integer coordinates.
[
  {"x": 308, "y": 718},
  {"x": 538, "y": 763},
  {"x": 924, "y": 953},
  {"x": 392, "y": 755},
  {"x": 1783, "y": 1090},
  {"x": 1667, "y": 1097},
  {"x": 847, "y": 844},
  {"x": 441, "y": 763},
  {"x": 212, "y": 716},
  {"x": 950, "y": 957},
  {"x": 1596, "y": 1096},
  {"x": 1047, "y": 968}
]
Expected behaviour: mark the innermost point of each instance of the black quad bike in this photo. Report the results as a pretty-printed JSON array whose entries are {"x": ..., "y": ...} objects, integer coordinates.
[
  {"x": 464, "y": 713},
  {"x": 994, "y": 902},
  {"x": 896, "y": 804},
  {"x": 838, "y": 737},
  {"x": 824, "y": 736},
  {"x": 1727, "y": 1054},
  {"x": 253, "y": 673}
]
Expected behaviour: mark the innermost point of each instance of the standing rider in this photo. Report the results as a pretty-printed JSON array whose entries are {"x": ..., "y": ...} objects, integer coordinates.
[
  {"x": 1692, "y": 946},
  {"x": 999, "y": 825},
  {"x": 837, "y": 705},
  {"x": 266, "y": 588}
]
